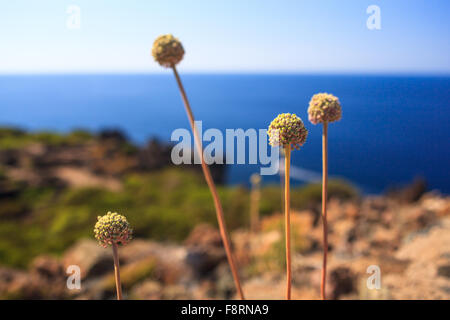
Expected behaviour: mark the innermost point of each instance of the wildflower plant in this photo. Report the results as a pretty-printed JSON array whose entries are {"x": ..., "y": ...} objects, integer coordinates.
[
  {"x": 113, "y": 229},
  {"x": 324, "y": 108},
  {"x": 287, "y": 131},
  {"x": 168, "y": 52}
]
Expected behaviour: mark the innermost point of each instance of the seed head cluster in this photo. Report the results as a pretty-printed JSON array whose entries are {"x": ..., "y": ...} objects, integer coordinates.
[
  {"x": 112, "y": 228},
  {"x": 167, "y": 50},
  {"x": 324, "y": 107},
  {"x": 287, "y": 129}
]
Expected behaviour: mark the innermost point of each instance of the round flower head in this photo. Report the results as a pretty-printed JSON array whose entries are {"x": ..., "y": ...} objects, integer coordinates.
[
  {"x": 324, "y": 107},
  {"x": 287, "y": 129},
  {"x": 112, "y": 228},
  {"x": 167, "y": 50}
]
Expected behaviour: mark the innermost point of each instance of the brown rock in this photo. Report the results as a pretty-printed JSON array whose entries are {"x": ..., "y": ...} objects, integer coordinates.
[
  {"x": 40, "y": 283},
  {"x": 341, "y": 281},
  {"x": 444, "y": 271},
  {"x": 203, "y": 260},
  {"x": 48, "y": 267},
  {"x": 427, "y": 252},
  {"x": 139, "y": 249},
  {"x": 385, "y": 239},
  {"x": 92, "y": 259},
  {"x": 169, "y": 260},
  {"x": 205, "y": 251},
  {"x": 131, "y": 274},
  {"x": 413, "y": 218},
  {"x": 148, "y": 290},
  {"x": 204, "y": 235},
  {"x": 410, "y": 193},
  {"x": 437, "y": 203},
  {"x": 15, "y": 285}
]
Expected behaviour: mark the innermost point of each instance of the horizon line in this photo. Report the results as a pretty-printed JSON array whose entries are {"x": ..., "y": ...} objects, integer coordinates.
[{"x": 233, "y": 72}]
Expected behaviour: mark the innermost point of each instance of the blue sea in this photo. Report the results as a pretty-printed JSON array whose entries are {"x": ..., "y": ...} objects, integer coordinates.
[{"x": 394, "y": 128}]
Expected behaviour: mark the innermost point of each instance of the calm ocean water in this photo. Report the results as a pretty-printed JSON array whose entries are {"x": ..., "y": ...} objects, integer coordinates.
[{"x": 393, "y": 128}]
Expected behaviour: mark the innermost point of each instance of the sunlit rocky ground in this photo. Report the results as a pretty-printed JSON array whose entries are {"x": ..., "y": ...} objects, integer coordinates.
[
  {"x": 408, "y": 241},
  {"x": 53, "y": 186}
]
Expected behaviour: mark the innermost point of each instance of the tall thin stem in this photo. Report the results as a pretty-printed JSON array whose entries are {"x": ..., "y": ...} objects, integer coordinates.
[
  {"x": 282, "y": 178},
  {"x": 324, "y": 208},
  {"x": 288, "y": 220},
  {"x": 212, "y": 188},
  {"x": 117, "y": 271}
]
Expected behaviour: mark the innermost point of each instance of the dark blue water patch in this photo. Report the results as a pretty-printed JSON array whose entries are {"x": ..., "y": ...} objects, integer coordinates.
[{"x": 393, "y": 127}]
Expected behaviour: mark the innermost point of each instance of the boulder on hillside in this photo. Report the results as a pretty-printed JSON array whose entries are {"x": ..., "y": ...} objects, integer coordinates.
[
  {"x": 409, "y": 193},
  {"x": 204, "y": 235},
  {"x": 92, "y": 259},
  {"x": 205, "y": 250},
  {"x": 341, "y": 281}
]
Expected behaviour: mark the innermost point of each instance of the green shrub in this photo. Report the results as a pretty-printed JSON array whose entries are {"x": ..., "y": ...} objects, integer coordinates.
[
  {"x": 15, "y": 138},
  {"x": 310, "y": 195},
  {"x": 163, "y": 205}
]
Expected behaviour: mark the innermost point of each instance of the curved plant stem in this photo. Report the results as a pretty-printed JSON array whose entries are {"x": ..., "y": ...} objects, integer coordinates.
[
  {"x": 324, "y": 208},
  {"x": 288, "y": 220},
  {"x": 117, "y": 271},
  {"x": 212, "y": 188}
]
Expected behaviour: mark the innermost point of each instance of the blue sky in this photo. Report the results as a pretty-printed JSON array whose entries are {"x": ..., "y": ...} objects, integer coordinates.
[{"x": 300, "y": 36}]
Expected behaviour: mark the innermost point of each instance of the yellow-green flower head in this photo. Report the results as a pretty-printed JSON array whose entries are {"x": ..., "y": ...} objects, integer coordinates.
[
  {"x": 167, "y": 50},
  {"x": 324, "y": 107},
  {"x": 287, "y": 129},
  {"x": 112, "y": 228}
]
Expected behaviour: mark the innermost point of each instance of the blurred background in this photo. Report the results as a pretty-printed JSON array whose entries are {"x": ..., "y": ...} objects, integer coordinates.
[{"x": 87, "y": 116}]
